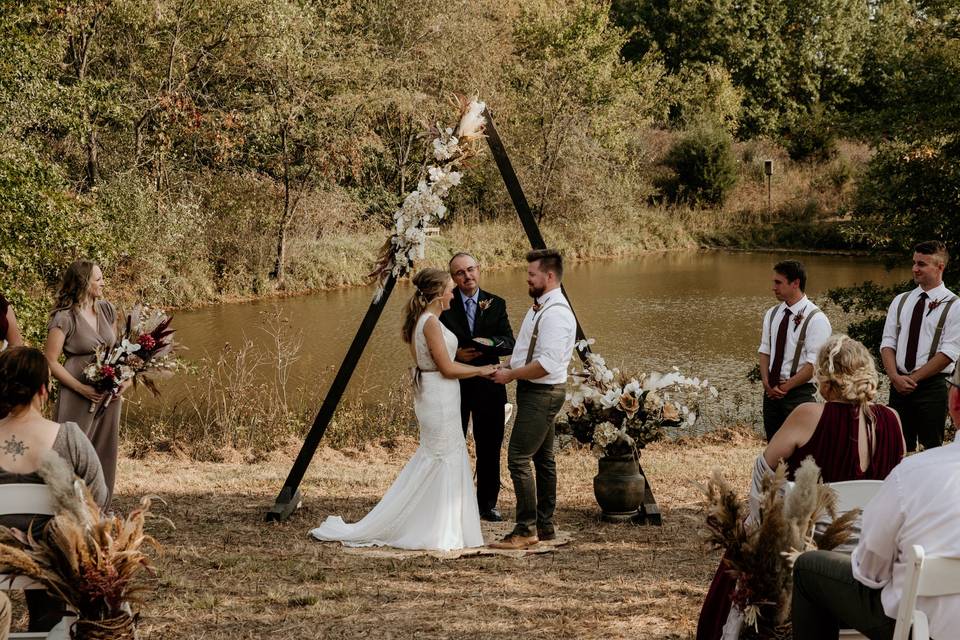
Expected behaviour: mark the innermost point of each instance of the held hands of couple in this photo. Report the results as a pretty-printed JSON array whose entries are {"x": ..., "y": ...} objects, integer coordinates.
[{"x": 487, "y": 371}]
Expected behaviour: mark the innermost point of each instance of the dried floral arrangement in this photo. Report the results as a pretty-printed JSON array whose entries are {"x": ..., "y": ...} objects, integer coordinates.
[
  {"x": 760, "y": 555},
  {"x": 95, "y": 562}
]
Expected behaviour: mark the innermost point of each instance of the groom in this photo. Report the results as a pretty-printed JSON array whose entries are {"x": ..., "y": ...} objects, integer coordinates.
[
  {"x": 475, "y": 313},
  {"x": 539, "y": 364}
]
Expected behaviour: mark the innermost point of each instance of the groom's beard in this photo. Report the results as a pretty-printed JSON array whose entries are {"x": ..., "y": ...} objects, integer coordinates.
[{"x": 535, "y": 292}]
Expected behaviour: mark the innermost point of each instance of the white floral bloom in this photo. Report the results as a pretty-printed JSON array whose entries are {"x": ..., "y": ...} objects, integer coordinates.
[
  {"x": 632, "y": 387},
  {"x": 611, "y": 398},
  {"x": 576, "y": 399},
  {"x": 583, "y": 344},
  {"x": 472, "y": 122}
]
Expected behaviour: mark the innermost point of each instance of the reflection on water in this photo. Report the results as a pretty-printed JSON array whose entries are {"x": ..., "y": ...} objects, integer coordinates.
[{"x": 699, "y": 311}]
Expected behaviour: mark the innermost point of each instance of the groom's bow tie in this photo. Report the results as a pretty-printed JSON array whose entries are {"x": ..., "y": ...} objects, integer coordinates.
[{"x": 537, "y": 306}]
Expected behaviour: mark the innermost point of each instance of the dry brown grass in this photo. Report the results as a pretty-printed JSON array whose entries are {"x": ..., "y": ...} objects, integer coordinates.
[{"x": 228, "y": 574}]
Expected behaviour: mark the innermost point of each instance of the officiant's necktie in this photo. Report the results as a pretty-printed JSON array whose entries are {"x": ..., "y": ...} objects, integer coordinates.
[
  {"x": 774, "y": 377},
  {"x": 470, "y": 308},
  {"x": 916, "y": 320}
]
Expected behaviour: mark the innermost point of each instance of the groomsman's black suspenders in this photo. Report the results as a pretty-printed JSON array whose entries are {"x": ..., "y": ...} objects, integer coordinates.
[{"x": 290, "y": 498}]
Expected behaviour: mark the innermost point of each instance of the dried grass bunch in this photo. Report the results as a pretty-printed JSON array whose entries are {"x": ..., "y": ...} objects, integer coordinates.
[
  {"x": 93, "y": 561},
  {"x": 761, "y": 555}
]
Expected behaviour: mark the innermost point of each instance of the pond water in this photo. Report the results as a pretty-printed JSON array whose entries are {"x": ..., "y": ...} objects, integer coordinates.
[{"x": 699, "y": 311}]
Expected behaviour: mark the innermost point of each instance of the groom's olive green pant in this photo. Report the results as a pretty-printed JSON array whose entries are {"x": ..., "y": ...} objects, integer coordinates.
[{"x": 532, "y": 440}]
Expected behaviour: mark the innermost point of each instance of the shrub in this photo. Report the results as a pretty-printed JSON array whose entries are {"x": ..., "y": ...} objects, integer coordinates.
[
  {"x": 704, "y": 167},
  {"x": 811, "y": 138}
]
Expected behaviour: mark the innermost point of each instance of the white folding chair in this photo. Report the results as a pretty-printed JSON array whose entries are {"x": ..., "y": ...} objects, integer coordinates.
[
  {"x": 29, "y": 499},
  {"x": 852, "y": 494},
  {"x": 930, "y": 577}
]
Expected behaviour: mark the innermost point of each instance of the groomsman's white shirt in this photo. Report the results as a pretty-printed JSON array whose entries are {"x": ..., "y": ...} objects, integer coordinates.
[
  {"x": 558, "y": 333},
  {"x": 949, "y": 340},
  {"x": 917, "y": 504},
  {"x": 818, "y": 331}
]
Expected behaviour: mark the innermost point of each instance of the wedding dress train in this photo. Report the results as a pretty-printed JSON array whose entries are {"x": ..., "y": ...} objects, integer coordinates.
[{"x": 432, "y": 504}]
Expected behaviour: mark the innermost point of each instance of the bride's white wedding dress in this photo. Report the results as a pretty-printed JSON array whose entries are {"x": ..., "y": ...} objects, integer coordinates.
[{"x": 432, "y": 504}]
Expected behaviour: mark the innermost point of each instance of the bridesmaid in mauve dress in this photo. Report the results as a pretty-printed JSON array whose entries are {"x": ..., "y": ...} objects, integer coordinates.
[
  {"x": 9, "y": 329},
  {"x": 80, "y": 323}
]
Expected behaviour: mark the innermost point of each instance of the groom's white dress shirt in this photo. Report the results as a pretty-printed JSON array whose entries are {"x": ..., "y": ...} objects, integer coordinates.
[{"x": 557, "y": 335}]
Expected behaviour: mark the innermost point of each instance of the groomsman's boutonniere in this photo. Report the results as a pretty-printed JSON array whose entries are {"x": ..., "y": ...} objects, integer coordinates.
[
  {"x": 483, "y": 305},
  {"x": 933, "y": 305},
  {"x": 797, "y": 319}
]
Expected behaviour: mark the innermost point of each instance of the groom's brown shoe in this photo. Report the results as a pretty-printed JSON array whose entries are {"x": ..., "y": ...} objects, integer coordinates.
[{"x": 515, "y": 541}]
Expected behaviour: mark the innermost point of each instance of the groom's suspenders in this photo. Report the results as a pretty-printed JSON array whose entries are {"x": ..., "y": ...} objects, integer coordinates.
[{"x": 536, "y": 330}]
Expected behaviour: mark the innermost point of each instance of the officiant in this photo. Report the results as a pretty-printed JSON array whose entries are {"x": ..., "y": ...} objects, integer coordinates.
[{"x": 478, "y": 314}]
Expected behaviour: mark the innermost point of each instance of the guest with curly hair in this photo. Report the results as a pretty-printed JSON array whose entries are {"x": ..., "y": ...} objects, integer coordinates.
[{"x": 849, "y": 437}]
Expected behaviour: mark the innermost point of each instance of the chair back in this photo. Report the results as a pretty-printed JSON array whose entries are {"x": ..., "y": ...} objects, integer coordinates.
[
  {"x": 26, "y": 499},
  {"x": 854, "y": 494},
  {"x": 927, "y": 576}
]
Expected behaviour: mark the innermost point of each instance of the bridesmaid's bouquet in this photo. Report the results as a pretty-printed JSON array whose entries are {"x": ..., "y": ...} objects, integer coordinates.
[{"x": 146, "y": 350}]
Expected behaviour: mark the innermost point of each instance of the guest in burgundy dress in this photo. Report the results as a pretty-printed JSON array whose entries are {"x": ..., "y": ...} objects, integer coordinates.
[
  {"x": 9, "y": 329},
  {"x": 849, "y": 437}
]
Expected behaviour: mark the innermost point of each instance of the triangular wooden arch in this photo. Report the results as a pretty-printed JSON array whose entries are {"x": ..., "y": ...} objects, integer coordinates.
[{"x": 290, "y": 497}]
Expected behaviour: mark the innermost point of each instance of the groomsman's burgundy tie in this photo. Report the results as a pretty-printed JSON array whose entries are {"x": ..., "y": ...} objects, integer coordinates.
[
  {"x": 910, "y": 360},
  {"x": 774, "y": 377}
]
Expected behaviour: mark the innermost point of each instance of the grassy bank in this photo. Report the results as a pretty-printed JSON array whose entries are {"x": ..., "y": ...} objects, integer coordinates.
[{"x": 227, "y": 574}]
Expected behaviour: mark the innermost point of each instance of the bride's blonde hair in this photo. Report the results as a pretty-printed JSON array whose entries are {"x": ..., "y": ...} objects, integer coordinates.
[
  {"x": 429, "y": 283},
  {"x": 846, "y": 371}
]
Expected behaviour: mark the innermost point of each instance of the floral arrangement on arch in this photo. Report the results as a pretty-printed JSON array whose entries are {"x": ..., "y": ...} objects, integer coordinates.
[
  {"x": 422, "y": 208},
  {"x": 617, "y": 413}
]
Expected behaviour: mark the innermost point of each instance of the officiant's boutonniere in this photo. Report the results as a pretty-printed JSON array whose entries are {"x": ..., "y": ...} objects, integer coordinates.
[
  {"x": 933, "y": 305},
  {"x": 797, "y": 319},
  {"x": 483, "y": 305}
]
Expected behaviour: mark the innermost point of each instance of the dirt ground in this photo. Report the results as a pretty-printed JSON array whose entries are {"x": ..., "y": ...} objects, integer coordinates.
[{"x": 226, "y": 573}]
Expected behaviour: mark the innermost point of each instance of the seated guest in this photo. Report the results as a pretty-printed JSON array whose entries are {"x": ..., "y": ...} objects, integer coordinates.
[
  {"x": 26, "y": 437},
  {"x": 917, "y": 504},
  {"x": 849, "y": 438},
  {"x": 9, "y": 329}
]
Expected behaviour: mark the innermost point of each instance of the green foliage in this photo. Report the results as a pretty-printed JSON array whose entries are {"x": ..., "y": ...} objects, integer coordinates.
[
  {"x": 704, "y": 167},
  {"x": 812, "y": 137}
]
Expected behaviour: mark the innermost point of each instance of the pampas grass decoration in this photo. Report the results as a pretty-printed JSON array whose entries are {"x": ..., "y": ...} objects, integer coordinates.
[
  {"x": 92, "y": 561},
  {"x": 761, "y": 557}
]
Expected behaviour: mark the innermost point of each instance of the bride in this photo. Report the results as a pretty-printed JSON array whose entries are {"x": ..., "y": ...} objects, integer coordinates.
[{"x": 432, "y": 504}]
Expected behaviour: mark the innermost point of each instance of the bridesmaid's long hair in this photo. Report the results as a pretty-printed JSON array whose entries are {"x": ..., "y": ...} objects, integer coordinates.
[
  {"x": 429, "y": 284},
  {"x": 847, "y": 371},
  {"x": 74, "y": 285}
]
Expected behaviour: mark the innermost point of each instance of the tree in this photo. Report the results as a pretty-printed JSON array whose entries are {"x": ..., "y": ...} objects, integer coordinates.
[{"x": 569, "y": 71}]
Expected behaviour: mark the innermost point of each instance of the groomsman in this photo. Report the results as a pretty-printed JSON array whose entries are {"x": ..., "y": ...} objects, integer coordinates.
[
  {"x": 475, "y": 313},
  {"x": 539, "y": 365},
  {"x": 792, "y": 334},
  {"x": 921, "y": 342}
]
